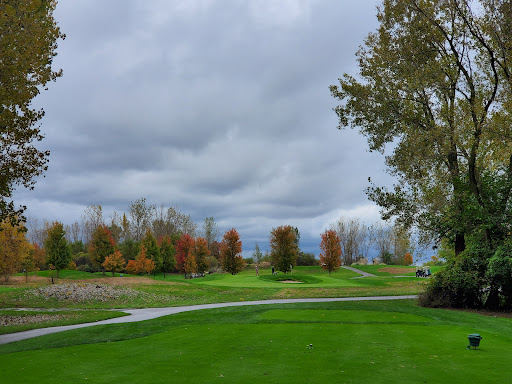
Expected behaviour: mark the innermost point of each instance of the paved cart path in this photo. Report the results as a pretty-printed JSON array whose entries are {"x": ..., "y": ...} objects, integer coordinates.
[
  {"x": 365, "y": 274},
  {"x": 153, "y": 313}
]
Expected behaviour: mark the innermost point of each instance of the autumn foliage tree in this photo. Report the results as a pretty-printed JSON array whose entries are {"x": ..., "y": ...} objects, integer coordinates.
[
  {"x": 14, "y": 247},
  {"x": 114, "y": 263},
  {"x": 39, "y": 256},
  {"x": 283, "y": 248},
  {"x": 102, "y": 245},
  {"x": 184, "y": 247},
  {"x": 330, "y": 255},
  {"x": 152, "y": 249},
  {"x": 190, "y": 264},
  {"x": 231, "y": 252},
  {"x": 141, "y": 264},
  {"x": 201, "y": 253},
  {"x": 408, "y": 259}
]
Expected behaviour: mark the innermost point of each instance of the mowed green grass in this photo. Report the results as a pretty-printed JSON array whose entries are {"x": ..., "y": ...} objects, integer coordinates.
[
  {"x": 352, "y": 342},
  {"x": 175, "y": 290},
  {"x": 380, "y": 270},
  {"x": 340, "y": 278}
]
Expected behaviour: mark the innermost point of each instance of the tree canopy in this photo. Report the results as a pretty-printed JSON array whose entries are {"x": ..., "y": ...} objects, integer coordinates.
[
  {"x": 28, "y": 44},
  {"x": 435, "y": 88},
  {"x": 435, "y": 93},
  {"x": 231, "y": 252},
  {"x": 284, "y": 246}
]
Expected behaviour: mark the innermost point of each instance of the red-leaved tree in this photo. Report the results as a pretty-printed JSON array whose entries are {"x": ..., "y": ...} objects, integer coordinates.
[
  {"x": 330, "y": 257},
  {"x": 184, "y": 247},
  {"x": 231, "y": 252}
]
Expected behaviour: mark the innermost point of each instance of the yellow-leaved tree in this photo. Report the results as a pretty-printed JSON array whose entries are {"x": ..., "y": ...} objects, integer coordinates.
[{"x": 13, "y": 249}]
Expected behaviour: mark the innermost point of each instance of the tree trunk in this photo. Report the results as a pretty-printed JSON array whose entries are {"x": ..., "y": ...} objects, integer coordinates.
[{"x": 460, "y": 243}]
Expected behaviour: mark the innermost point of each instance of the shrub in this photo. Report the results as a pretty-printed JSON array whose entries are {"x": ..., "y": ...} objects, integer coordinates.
[
  {"x": 458, "y": 286},
  {"x": 213, "y": 264},
  {"x": 306, "y": 259},
  {"x": 387, "y": 258}
]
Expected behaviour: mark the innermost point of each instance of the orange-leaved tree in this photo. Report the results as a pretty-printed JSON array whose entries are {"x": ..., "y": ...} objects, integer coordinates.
[
  {"x": 201, "y": 252},
  {"x": 184, "y": 247},
  {"x": 141, "y": 264},
  {"x": 408, "y": 259},
  {"x": 114, "y": 263},
  {"x": 231, "y": 252},
  {"x": 330, "y": 255},
  {"x": 190, "y": 264}
]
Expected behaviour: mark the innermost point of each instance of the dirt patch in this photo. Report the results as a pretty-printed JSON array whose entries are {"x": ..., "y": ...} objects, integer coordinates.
[
  {"x": 19, "y": 280},
  {"x": 82, "y": 292},
  {"x": 118, "y": 281},
  {"x": 126, "y": 281},
  {"x": 32, "y": 319},
  {"x": 290, "y": 281},
  {"x": 397, "y": 271}
]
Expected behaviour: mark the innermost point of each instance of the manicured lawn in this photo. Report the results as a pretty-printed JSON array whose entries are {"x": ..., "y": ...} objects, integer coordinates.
[
  {"x": 392, "y": 270},
  {"x": 352, "y": 342},
  {"x": 174, "y": 290}
]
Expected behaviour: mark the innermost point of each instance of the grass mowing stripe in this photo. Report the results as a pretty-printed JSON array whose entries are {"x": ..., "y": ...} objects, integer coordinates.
[{"x": 275, "y": 353}]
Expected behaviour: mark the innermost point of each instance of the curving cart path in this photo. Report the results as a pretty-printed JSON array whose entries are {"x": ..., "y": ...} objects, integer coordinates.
[
  {"x": 153, "y": 313},
  {"x": 363, "y": 273}
]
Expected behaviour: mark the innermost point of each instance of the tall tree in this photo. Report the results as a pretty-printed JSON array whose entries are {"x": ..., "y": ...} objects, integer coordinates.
[
  {"x": 14, "y": 247},
  {"x": 92, "y": 218},
  {"x": 352, "y": 236},
  {"x": 330, "y": 255},
  {"x": 140, "y": 214},
  {"x": 210, "y": 231},
  {"x": 102, "y": 245},
  {"x": 167, "y": 253},
  {"x": 184, "y": 247},
  {"x": 201, "y": 253},
  {"x": 56, "y": 247},
  {"x": 152, "y": 250},
  {"x": 28, "y": 44},
  {"x": 435, "y": 82},
  {"x": 257, "y": 255},
  {"x": 231, "y": 252},
  {"x": 283, "y": 247}
]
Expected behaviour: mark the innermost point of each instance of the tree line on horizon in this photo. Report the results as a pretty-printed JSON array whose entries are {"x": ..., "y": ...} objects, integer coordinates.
[{"x": 150, "y": 240}]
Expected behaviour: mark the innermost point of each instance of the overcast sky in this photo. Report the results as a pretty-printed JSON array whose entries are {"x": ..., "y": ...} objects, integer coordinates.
[{"x": 219, "y": 107}]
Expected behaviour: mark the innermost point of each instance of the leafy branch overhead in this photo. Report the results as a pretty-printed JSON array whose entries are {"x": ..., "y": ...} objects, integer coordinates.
[{"x": 28, "y": 44}]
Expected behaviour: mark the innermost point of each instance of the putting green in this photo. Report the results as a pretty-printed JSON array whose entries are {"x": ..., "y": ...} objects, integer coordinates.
[{"x": 341, "y": 278}]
